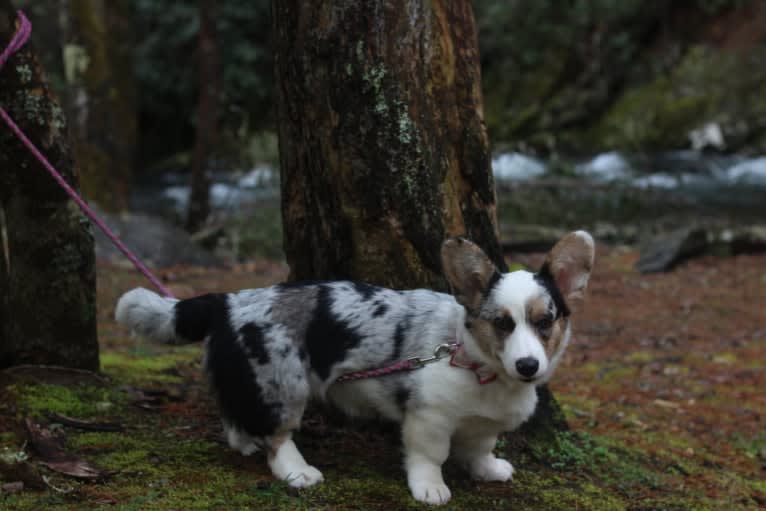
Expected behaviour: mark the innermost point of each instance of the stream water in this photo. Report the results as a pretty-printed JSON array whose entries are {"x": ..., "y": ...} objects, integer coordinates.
[{"x": 710, "y": 180}]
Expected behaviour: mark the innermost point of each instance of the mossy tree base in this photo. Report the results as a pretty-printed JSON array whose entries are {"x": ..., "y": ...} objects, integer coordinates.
[{"x": 47, "y": 274}]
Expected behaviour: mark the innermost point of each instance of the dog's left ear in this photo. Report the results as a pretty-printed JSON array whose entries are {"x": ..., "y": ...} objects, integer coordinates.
[
  {"x": 468, "y": 270},
  {"x": 569, "y": 264}
]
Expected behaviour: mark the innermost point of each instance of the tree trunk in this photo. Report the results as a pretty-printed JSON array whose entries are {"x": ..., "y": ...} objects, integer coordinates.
[
  {"x": 382, "y": 141},
  {"x": 199, "y": 200},
  {"x": 102, "y": 97},
  {"x": 47, "y": 281},
  {"x": 383, "y": 147}
]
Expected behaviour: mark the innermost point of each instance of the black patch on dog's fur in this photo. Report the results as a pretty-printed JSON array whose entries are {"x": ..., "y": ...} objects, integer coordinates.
[
  {"x": 252, "y": 339},
  {"x": 299, "y": 283},
  {"x": 195, "y": 316},
  {"x": 328, "y": 339},
  {"x": 366, "y": 290},
  {"x": 493, "y": 280},
  {"x": 402, "y": 396},
  {"x": 381, "y": 308},
  {"x": 545, "y": 279},
  {"x": 232, "y": 380},
  {"x": 401, "y": 327}
]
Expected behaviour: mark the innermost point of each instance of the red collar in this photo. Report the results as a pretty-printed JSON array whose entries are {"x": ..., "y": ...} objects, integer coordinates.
[{"x": 462, "y": 360}]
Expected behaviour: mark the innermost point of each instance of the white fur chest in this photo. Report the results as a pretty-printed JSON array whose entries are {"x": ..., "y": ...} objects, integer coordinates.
[
  {"x": 508, "y": 406},
  {"x": 456, "y": 393}
]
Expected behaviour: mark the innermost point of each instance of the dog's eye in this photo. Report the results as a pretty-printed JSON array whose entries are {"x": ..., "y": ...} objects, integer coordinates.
[
  {"x": 505, "y": 323},
  {"x": 545, "y": 323}
]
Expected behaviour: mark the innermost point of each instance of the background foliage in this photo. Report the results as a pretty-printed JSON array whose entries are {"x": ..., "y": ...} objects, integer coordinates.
[{"x": 574, "y": 76}]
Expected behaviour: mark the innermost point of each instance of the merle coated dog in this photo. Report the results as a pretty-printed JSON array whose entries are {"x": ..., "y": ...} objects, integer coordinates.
[{"x": 268, "y": 351}]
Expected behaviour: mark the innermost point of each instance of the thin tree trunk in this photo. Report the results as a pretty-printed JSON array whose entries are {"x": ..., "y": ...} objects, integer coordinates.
[
  {"x": 383, "y": 147},
  {"x": 199, "y": 200},
  {"x": 48, "y": 284},
  {"x": 102, "y": 97}
]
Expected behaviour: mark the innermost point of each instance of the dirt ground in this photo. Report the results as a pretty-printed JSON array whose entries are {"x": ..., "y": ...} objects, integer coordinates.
[{"x": 662, "y": 387}]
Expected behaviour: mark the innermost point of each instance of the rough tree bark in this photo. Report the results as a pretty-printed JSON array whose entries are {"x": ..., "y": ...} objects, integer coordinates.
[
  {"x": 47, "y": 277},
  {"x": 101, "y": 97},
  {"x": 199, "y": 199},
  {"x": 383, "y": 147},
  {"x": 382, "y": 141}
]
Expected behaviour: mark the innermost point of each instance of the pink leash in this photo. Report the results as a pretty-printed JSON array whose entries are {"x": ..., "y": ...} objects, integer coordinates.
[
  {"x": 20, "y": 39},
  {"x": 408, "y": 364}
]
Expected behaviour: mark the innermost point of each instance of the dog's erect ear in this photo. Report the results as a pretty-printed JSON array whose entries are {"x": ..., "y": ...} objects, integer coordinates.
[
  {"x": 469, "y": 271},
  {"x": 569, "y": 264}
]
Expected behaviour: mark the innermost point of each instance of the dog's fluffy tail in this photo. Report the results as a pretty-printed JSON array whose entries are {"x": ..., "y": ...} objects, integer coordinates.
[{"x": 149, "y": 315}]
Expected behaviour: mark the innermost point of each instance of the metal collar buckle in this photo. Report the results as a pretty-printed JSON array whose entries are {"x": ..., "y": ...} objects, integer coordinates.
[{"x": 441, "y": 351}]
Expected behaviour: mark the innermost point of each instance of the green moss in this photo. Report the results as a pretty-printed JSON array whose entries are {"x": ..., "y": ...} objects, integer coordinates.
[
  {"x": 651, "y": 116},
  {"x": 79, "y": 401},
  {"x": 545, "y": 492},
  {"x": 7, "y": 437},
  {"x": 160, "y": 464},
  {"x": 707, "y": 85},
  {"x": 151, "y": 450},
  {"x": 148, "y": 366}
]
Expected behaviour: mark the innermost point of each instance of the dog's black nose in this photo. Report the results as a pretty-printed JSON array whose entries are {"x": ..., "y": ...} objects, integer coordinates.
[{"x": 527, "y": 366}]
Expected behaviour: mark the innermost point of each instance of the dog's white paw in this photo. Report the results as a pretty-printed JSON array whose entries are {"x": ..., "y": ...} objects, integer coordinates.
[
  {"x": 430, "y": 492},
  {"x": 492, "y": 469},
  {"x": 303, "y": 478}
]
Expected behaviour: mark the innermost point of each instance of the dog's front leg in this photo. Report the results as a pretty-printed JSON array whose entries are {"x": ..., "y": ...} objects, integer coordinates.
[
  {"x": 426, "y": 446},
  {"x": 474, "y": 448}
]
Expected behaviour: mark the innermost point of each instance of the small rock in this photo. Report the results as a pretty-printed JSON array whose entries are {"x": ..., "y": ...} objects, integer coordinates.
[
  {"x": 529, "y": 238},
  {"x": 663, "y": 252},
  {"x": 748, "y": 240},
  {"x": 709, "y": 135},
  {"x": 153, "y": 240},
  {"x": 14, "y": 487},
  {"x": 665, "y": 404}
]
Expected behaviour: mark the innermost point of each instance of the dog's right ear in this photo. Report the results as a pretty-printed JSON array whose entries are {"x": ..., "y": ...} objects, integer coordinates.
[{"x": 469, "y": 271}]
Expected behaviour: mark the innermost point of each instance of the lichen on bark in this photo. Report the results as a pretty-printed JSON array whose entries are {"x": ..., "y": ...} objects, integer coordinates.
[
  {"x": 377, "y": 128},
  {"x": 47, "y": 284}
]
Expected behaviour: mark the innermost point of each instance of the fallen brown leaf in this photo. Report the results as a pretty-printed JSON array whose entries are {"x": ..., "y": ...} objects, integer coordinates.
[{"x": 54, "y": 456}]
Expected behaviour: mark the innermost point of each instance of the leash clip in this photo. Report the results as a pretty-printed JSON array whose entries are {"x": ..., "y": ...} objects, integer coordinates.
[{"x": 441, "y": 351}]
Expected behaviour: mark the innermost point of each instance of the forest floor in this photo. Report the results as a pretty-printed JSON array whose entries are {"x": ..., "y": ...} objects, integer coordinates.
[{"x": 663, "y": 388}]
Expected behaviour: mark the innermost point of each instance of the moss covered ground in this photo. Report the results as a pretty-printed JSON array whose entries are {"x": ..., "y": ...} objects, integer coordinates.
[{"x": 662, "y": 388}]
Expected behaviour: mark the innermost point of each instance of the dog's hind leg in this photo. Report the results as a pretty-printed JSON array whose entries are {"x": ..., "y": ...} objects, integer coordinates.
[
  {"x": 287, "y": 463},
  {"x": 239, "y": 440}
]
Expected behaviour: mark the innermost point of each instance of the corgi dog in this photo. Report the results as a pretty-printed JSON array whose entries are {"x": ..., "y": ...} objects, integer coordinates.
[{"x": 269, "y": 350}]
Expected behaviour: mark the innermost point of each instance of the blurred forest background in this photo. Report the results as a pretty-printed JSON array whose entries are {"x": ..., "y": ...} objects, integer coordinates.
[
  {"x": 625, "y": 117},
  {"x": 641, "y": 121}
]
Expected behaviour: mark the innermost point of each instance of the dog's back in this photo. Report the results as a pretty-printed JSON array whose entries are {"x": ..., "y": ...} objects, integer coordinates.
[{"x": 268, "y": 350}]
